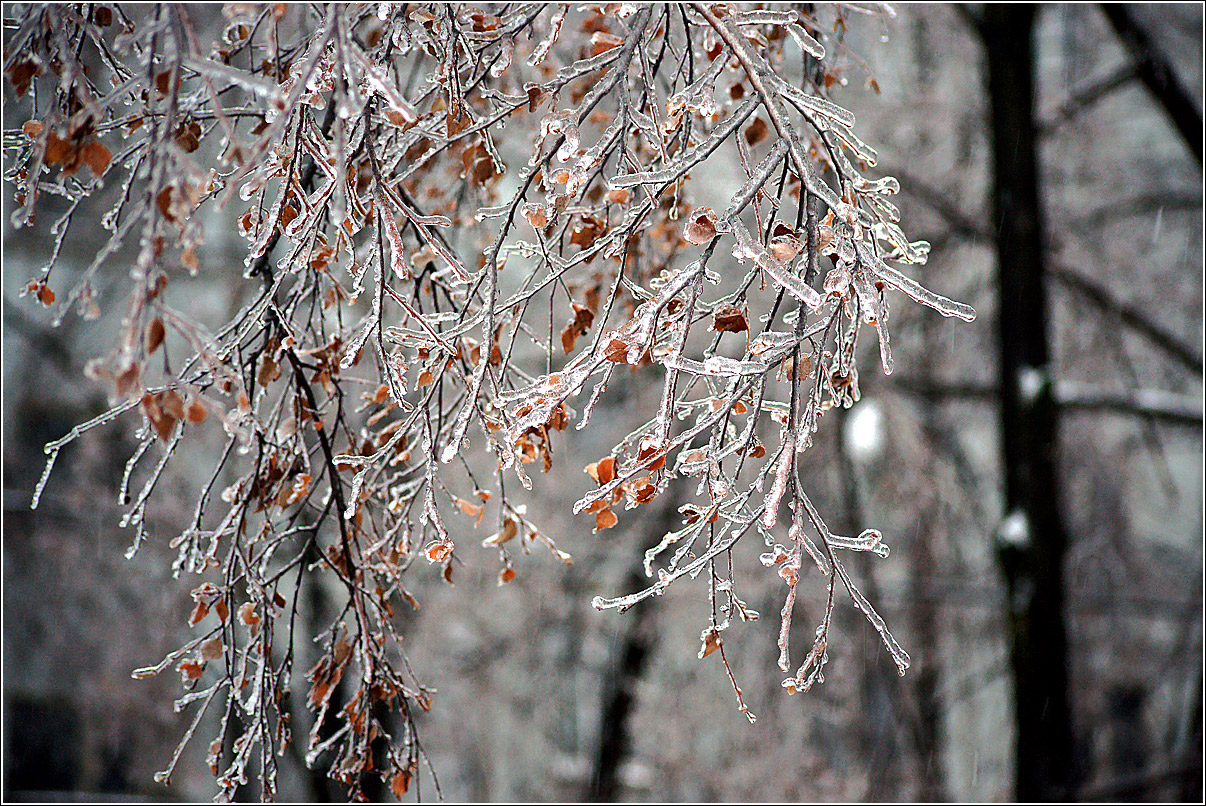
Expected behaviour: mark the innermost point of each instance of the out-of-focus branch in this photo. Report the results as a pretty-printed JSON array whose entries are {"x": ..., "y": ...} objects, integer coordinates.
[
  {"x": 965, "y": 226},
  {"x": 1159, "y": 76},
  {"x": 1071, "y": 396},
  {"x": 1157, "y": 403},
  {"x": 1084, "y": 97},
  {"x": 1141, "y": 204},
  {"x": 630, "y": 662},
  {"x": 1135, "y": 786},
  {"x": 1130, "y": 316},
  {"x": 939, "y": 201},
  {"x": 974, "y": 19}
]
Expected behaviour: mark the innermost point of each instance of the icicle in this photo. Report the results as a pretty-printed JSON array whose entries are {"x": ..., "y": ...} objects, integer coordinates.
[
  {"x": 870, "y": 540},
  {"x": 546, "y": 45},
  {"x": 912, "y": 289},
  {"x": 898, "y": 654},
  {"x": 809, "y": 45},
  {"x": 787, "y": 458},
  {"x": 814, "y": 103}
]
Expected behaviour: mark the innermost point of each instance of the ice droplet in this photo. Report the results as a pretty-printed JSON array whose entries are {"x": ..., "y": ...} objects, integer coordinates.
[
  {"x": 1031, "y": 381},
  {"x": 1015, "y": 530}
]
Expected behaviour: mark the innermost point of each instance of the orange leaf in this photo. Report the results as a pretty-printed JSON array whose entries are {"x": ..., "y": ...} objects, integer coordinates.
[
  {"x": 510, "y": 529},
  {"x": 400, "y": 783},
  {"x": 536, "y": 96},
  {"x": 191, "y": 669},
  {"x": 212, "y": 649},
  {"x": 196, "y": 412},
  {"x": 597, "y": 506},
  {"x": 616, "y": 351},
  {"x": 171, "y": 404},
  {"x": 535, "y": 216},
  {"x": 164, "y": 202},
  {"x": 730, "y": 319},
  {"x": 607, "y": 469},
  {"x": 785, "y": 247},
  {"x": 58, "y": 151},
  {"x": 756, "y": 132},
  {"x": 605, "y": 520},
  {"x": 96, "y": 157},
  {"x": 601, "y": 42},
  {"x": 248, "y": 615},
  {"x": 471, "y": 509},
  {"x": 199, "y": 612},
  {"x": 269, "y": 371},
  {"x": 438, "y": 550},
  {"x": 21, "y": 74}
]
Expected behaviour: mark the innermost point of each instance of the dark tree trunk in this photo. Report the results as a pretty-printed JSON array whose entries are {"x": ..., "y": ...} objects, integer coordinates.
[
  {"x": 1033, "y": 541},
  {"x": 1191, "y": 776},
  {"x": 619, "y": 699},
  {"x": 619, "y": 689}
]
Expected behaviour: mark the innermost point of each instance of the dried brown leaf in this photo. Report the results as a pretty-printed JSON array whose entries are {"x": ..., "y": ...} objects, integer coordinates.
[
  {"x": 756, "y": 132},
  {"x": 605, "y": 519},
  {"x": 438, "y": 550},
  {"x": 154, "y": 335},
  {"x": 212, "y": 649},
  {"x": 730, "y": 319},
  {"x": 701, "y": 227}
]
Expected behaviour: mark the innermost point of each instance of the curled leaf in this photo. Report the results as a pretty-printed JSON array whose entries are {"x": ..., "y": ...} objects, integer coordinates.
[
  {"x": 701, "y": 227},
  {"x": 730, "y": 319}
]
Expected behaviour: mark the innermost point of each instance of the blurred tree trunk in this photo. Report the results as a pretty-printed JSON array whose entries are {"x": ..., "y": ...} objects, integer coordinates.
[
  {"x": 629, "y": 664},
  {"x": 1191, "y": 779},
  {"x": 1033, "y": 540},
  {"x": 619, "y": 697}
]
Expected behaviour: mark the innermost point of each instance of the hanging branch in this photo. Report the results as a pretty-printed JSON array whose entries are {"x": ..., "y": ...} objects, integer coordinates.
[{"x": 425, "y": 314}]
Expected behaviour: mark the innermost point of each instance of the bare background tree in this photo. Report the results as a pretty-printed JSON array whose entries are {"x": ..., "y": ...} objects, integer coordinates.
[{"x": 590, "y": 191}]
